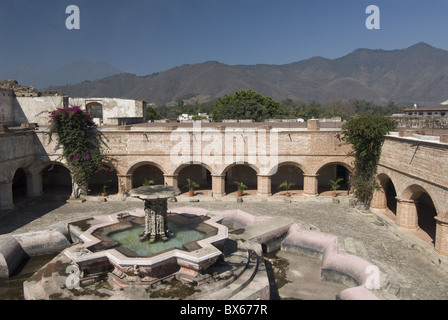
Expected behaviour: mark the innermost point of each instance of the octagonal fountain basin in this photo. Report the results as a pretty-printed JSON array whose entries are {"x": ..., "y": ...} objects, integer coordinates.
[{"x": 193, "y": 245}]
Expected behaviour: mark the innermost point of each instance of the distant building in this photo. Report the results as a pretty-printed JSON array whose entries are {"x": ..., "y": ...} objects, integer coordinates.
[{"x": 440, "y": 111}]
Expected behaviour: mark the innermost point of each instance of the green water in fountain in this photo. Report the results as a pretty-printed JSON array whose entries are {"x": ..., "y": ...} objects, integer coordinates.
[{"x": 181, "y": 235}]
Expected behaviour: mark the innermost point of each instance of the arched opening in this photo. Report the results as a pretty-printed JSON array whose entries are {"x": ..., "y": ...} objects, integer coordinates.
[
  {"x": 96, "y": 111},
  {"x": 241, "y": 173},
  {"x": 389, "y": 192},
  {"x": 104, "y": 180},
  {"x": 426, "y": 211},
  {"x": 292, "y": 174},
  {"x": 197, "y": 173},
  {"x": 146, "y": 173},
  {"x": 332, "y": 172},
  {"x": 56, "y": 180},
  {"x": 19, "y": 186}
]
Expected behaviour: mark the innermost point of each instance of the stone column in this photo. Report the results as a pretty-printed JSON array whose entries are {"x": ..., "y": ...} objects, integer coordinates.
[
  {"x": 219, "y": 185},
  {"x": 156, "y": 227},
  {"x": 310, "y": 184},
  {"x": 6, "y": 198},
  {"x": 171, "y": 180},
  {"x": 407, "y": 214},
  {"x": 34, "y": 185},
  {"x": 441, "y": 241},
  {"x": 264, "y": 185},
  {"x": 124, "y": 183},
  {"x": 379, "y": 201},
  {"x": 313, "y": 125}
]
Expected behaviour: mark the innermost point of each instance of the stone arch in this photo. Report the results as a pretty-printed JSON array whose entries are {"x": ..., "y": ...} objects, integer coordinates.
[
  {"x": 146, "y": 170},
  {"x": 95, "y": 109},
  {"x": 241, "y": 172},
  {"x": 387, "y": 193},
  {"x": 199, "y": 173},
  {"x": 416, "y": 210},
  {"x": 20, "y": 184},
  {"x": 56, "y": 179},
  {"x": 331, "y": 171},
  {"x": 106, "y": 177},
  {"x": 287, "y": 171}
]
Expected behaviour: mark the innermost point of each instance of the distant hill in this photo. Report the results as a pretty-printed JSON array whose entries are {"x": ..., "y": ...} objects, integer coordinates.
[
  {"x": 71, "y": 73},
  {"x": 418, "y": 74}
]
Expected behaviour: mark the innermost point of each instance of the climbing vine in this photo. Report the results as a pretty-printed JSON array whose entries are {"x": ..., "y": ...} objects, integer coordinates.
[
  {"x": 365, "y": 133},
  {"x": 81, "y": 143}
]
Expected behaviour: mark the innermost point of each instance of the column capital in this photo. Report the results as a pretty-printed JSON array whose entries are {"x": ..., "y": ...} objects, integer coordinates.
[
  {"x": 125, "y": 175},
  {"x": 406, "y": 200},
  {"x": 441, "y": 220},
  {"x": 219, "y": 175}
]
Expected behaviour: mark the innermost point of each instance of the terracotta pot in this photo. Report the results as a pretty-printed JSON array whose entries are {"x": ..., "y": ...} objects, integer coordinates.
[
  {"x": 334, "y": 194},
  {"x": 288, "y": 194},
  {"x": 103, "y": 194},
  {"x": 240, "y": 193},
  {"x": 191, "y": 193}
]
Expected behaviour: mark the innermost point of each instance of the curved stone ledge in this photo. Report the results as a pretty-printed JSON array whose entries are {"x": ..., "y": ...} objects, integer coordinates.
[
  {"x": 14, "y": 249},
  {"x": 336, "y": 266},
  {"x": 11, "y": 256}
]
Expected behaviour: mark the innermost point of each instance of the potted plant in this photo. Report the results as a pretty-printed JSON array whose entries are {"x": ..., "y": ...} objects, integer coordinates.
[
  {"x": 241, "y": 188},
  {"x": 148, "y": 182},
  {"x": 334, "y": 185},
  {"x": 286, "y": 186},
  {"x": 191, "y": 185},
  {"x": 105, "y": 186}
]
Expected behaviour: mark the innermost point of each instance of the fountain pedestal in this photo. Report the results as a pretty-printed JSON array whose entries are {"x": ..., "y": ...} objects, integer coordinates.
[{"x": 156, "y": 198}]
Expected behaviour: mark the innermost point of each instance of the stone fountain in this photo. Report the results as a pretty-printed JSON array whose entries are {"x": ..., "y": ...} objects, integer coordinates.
[
  {"x": 155, "y": 197},
  {"x": 140, "y": 253}
]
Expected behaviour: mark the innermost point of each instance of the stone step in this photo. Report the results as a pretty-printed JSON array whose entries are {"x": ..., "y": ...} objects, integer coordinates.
[
  {"x": 239, "y": 283},
  {"x": 234, "y": 266}
]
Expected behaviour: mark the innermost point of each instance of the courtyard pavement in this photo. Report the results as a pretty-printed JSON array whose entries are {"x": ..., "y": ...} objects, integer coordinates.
[{"x": 409, "y": 273}]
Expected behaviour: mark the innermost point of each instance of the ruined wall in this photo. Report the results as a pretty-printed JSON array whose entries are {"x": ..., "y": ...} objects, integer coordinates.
[
  {"x": 17, "y": 151},
  {"x": 114, "y": 109},
  {"x": 6, "y": 113},
  {"x": 33, "y": 109}
]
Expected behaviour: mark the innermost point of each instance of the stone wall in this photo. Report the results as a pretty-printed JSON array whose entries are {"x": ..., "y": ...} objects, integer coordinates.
[
  {"x": 421, "y": 122},
  {"x": 6, "y": 113}
]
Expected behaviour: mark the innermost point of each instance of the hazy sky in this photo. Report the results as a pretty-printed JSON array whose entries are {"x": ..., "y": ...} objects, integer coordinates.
[{"x": 146, "y": 36}]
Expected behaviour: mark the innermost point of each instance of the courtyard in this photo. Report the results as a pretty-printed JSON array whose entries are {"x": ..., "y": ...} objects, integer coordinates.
[{"x": 408, "y": 273}]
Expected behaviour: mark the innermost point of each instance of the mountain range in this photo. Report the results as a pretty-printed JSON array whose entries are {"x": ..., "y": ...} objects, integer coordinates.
[
  {"x": 418, "y": 74},
  {"x": 71, "y": 73}
]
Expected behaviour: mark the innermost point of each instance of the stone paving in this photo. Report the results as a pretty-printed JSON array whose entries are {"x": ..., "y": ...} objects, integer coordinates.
[{"x": 409, "y": 273}]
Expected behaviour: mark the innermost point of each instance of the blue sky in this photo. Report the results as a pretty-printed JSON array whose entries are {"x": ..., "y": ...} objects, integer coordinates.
[{"x": 146, "y": 36}]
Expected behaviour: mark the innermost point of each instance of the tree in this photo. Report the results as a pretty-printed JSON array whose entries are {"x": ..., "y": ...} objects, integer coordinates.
[
  {"x": 247, "y": 104},
  {"x": 81, "y": 144},
  {"x": 152, "y": 114},
  {"x": 365, "y": 133}
]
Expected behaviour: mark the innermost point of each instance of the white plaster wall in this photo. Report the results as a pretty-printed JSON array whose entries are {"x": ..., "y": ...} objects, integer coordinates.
[
  {"x": 114, "y": 107},
  {"x": 33, "y": 109}
]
